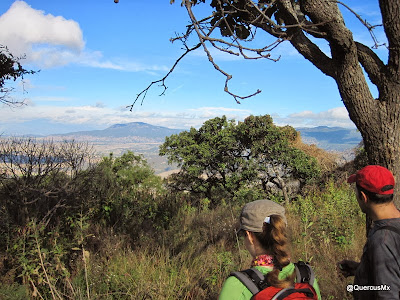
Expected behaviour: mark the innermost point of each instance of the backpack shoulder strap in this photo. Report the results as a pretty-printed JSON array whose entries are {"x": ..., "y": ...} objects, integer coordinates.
[
  {"x": 304, "y": 273},
  {"x": 252, "y": 278},
  {"x": 388, "y": 227}
]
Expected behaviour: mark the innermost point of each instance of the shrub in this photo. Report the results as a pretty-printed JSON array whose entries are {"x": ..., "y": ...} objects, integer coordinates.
[{"x": 325, "y": 228}]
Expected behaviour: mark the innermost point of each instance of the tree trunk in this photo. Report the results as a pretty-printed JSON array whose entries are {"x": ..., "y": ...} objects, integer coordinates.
[
  {"x": 382, "y": 142},
  {"x": 283, "y": 187},
  {"x": 349, "y": 63},
  {"x": 377, "y": 119}
]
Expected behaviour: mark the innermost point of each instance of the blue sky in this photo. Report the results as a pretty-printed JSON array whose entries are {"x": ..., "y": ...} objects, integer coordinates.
[{"x": 95, "y": 56}]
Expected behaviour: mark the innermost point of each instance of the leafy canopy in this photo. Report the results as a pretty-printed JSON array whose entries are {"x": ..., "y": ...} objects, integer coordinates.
[{"x": 223, "y": 157}]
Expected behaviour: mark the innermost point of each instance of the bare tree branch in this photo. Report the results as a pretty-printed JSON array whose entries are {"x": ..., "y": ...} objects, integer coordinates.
[
  {"x": 289, "y": 23},
  {"x": 211, "y": 59},
  {"x": 365, "y": 23},
  {"x": 162, "y": 80}
]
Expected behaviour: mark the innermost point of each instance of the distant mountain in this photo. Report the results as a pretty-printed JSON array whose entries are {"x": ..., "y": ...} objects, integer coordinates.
[
  {"x": 143, "y": 138},
  {"x": 328, "y": 138},
  {"x": 134, "y": 129},
  {"x": 331, "y": 138}
]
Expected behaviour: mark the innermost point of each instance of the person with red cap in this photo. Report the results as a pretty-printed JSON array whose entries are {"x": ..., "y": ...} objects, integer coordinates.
[{"x": 377, "y": 275}]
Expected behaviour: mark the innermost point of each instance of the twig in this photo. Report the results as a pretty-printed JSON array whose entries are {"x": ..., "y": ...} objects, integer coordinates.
[
  {"x": 204, "y": 29},
  {"x": 86, "y": 273},
  {"x": 162, "y": 80},
  {"x": 71, "y": 288},
  {"x": 43, "y": 267},
  {"x": 365, "y": 23},
  {"x": 211, "y": 59},
  {"x": 35, "y": 290}
]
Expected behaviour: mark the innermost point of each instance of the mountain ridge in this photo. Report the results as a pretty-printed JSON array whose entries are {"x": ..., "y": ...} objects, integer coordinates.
[
  {"x": 331, "y": 138},
  {"x": 325, "y": 137},
  {"x": 143, "y": 138},
  {"x": 132, "y": 129}
]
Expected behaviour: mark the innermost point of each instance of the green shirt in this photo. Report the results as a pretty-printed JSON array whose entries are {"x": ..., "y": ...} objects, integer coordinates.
[{"x": 234, "y": 289}]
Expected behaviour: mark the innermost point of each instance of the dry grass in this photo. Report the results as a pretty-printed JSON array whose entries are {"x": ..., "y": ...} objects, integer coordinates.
[{"x": 326, "y": 160}]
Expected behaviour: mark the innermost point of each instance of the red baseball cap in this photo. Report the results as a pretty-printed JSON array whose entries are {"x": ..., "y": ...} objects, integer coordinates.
[{"x": 375, "y": 179}]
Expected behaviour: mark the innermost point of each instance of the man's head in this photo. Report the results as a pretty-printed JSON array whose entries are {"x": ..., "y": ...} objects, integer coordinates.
[{"x": 376, "y": 182}]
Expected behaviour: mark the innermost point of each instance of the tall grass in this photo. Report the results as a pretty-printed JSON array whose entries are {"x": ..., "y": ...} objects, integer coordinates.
[
  {"x": 192, "y": 256},
  {"x": 326, "y": 227}
]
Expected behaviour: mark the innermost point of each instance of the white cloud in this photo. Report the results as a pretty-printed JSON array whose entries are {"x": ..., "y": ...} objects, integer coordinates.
[
  {"x": 219, "y": 110},
  {"x": 333, "y": 117},
  {"x": 99, "y": 116},
  {"x": 95, "y": 59},
  {"x": 50, "y": 41},
  {"x": 27, "y": 27},
  {"x": 202, "y": 114},
  {"x": 100, "y": 104}
]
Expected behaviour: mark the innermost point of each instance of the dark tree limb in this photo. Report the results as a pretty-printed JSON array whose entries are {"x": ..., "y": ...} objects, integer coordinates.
[
  {"x": 162, "y": 80},
  {"x": 371, "y": 63},
  {"x": 284, "y": 20},
  {"x": 365, "y": 23},
  {"x": 391, "y": 24}
]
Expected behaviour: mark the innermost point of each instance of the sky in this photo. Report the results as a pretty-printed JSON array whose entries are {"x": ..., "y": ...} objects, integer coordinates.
[{"x": 95, "y": 56}]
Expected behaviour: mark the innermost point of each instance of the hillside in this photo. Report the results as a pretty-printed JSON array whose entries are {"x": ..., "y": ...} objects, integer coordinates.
[
  {"x": 139, "y": 137},
  {"x": 139, "y": 130}
]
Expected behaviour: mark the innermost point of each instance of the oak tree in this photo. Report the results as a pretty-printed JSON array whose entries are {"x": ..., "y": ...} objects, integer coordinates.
[
  {"x": 306, "y": 25},
  {"x": 222, "y": 159}
]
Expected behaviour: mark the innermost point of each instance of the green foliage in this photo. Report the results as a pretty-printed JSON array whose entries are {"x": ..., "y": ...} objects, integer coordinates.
[
  {"x": 126, "y": 192},
  {"x": 249, "y": 193},
  {"x": 223, "y": 159},
  {"x": 342, "y": 215},
  {"x": 224, "y": 265},
  {"x": 13, "y": 292},
  {"x": 119, "y": 234},
  {"x": 326, "y": 226},
  {"x": 197, "y": 252},
  {"x": 51, "y": 206},
  {"x": 41, "y": 256},
  {"x": 340, "y": 211},
  {"x": 156, "y": 274}
]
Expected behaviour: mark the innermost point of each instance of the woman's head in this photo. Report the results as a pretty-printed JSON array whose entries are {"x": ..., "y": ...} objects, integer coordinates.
[
  {"x": 264, "y": 223},
  {"x": 254, "y": 214}
]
